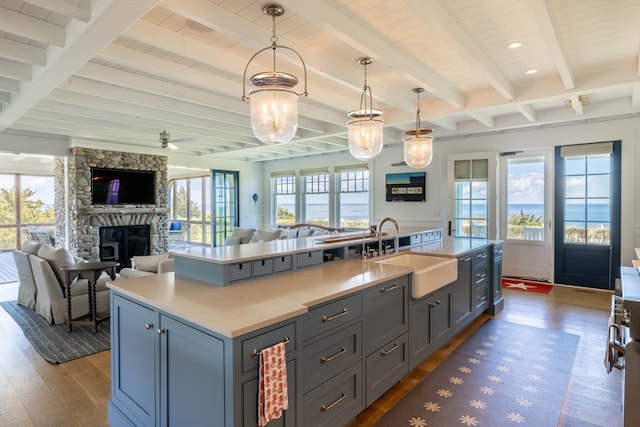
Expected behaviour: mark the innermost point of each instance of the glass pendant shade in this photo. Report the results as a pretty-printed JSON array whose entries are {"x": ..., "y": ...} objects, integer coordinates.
[
  {"x": 418, "y": 151},
  {"x": 365, "y": 138},
  {"x": 274, "y": 114}
]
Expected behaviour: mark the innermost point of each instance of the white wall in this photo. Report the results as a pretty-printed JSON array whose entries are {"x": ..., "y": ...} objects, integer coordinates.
[{"x": 435, "y": 211}]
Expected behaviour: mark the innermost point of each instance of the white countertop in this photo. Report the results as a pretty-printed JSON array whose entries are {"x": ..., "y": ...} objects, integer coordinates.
[
  {"x": 248, "y": 306},
  {"x": 260, "y": 250}
]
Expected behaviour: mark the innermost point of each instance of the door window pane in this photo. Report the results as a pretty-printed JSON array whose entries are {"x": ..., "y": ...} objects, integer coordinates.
[
  {"x": 588, "y": 199},
  {"x": 525, "y": 198}
]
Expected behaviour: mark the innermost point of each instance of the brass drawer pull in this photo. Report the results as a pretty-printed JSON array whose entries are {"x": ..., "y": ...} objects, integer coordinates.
[
  {"x": 340, "y": 399},
  {"x": 335, "y": 316},
  {"x": 395, "y": 347},
  {"x": 390, "y": 288},
  {"x": 330, "y": 358}
]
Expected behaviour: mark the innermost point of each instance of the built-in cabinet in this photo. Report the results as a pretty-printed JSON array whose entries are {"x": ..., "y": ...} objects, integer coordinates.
[
  {"x": 342, "y": 355},
  {"x": 496, "y": 302},
  {"x": 431, "y": 324},
  {"x": 164, "y": 372}
]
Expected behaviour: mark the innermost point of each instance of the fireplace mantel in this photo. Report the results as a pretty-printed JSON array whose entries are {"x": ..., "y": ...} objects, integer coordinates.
[{"x": 129, "y": 209}]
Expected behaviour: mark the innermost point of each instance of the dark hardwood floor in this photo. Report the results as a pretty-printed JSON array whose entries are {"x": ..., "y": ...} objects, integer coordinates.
[{"x": 34, "y": 392}]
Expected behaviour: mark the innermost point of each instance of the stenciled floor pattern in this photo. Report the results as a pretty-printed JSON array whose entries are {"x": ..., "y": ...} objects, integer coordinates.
[{"x": 504, "y": 375}]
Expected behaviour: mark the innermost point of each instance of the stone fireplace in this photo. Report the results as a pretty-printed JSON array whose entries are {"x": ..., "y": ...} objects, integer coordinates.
[{"x": 82, "y": 222}]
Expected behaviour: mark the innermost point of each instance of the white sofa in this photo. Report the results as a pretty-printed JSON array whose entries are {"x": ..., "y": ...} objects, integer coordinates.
[{"x": 42, "y": 283}]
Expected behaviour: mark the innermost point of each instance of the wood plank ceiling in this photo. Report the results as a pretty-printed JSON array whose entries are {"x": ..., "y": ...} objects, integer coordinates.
[{"x": 118, "y": 72}]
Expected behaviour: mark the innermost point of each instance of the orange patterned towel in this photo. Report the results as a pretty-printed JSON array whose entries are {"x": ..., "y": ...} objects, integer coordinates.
[{"x": 273, "y": 397}]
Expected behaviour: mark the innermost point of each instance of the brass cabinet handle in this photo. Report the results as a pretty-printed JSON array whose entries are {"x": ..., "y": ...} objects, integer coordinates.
[
  {"x": 395, "y": 347},
  {"x": 340, "y": 399},
  {"x": 335, "y": 316},
  {"x": 148, "y": 325},
  {"x": 330, "y": 358},
  {"x": 390, "y": 288}
]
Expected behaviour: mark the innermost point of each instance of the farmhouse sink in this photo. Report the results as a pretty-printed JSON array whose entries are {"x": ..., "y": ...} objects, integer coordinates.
[{"x": 430, "y": 272}]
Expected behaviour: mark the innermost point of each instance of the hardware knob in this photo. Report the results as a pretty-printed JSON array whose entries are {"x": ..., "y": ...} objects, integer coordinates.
[
  {"x": 160, "y": 331},
  {"x": 148, "y": 325}
]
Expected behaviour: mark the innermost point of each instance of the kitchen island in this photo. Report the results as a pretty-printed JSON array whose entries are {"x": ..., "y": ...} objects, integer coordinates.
[{"x": 186, "y": 351}]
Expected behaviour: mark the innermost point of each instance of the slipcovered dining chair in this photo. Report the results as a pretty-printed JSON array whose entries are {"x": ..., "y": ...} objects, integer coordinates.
[{"x": 177, "y": 233}]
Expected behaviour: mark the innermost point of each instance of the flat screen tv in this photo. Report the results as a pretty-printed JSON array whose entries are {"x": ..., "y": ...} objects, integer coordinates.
[{"x": 122, "y": 187}]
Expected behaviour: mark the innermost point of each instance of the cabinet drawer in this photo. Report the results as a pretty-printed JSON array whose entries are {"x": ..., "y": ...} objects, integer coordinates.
[
  {"x": 282, "y": 263},
  {"x": 386, "y": 366},
  {"x": 331, "y": 315},
  {"x": 415, "y": 239},
  {"x": 481, "y": 297},
  {"x": 262, "y": 267},
  {"x": 251, "y": 345},
  {"x": 239, "y": 271},
  {"x": 250, "y": 401},
  {"x": 309, "y": 258},
  {"x": 325, "y": 358},
  {"x": 481, "y": 274},
  {"x": 335, "y": 402},
  {"x": 386, "y": 312}
]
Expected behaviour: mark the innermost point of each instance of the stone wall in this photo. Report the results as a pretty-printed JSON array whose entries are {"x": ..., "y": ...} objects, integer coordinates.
[{"x": 85, "y": 219}]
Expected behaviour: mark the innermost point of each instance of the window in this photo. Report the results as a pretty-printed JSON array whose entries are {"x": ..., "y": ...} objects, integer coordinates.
[
  {"x": 284, "y": 197},
  {"x": 316, "y": 196},
  {"x": 190, "y": 201},
  {"x": 225, "y": 204},
  {"x": 470, "y": 198},
  {"x": 353, "y": 196},
  {"x": 25, "y": 200},
  {"x": 525, "y": 198}
]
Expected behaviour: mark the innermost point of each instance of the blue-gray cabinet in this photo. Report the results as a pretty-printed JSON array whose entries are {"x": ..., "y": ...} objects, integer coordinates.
[
  {"x": 386, "y": 322},
  {"x": 480, "y": 277},
  {"x": 431, "y": 324},
  {"x": 496, "y": 302},
  {"x": 164, "y": 372},
  {"x": 462, "y": 305}
]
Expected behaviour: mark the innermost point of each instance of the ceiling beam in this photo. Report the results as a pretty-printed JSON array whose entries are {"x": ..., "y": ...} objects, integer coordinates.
[
  {"x": 29, "y": 28},
  {"x": 84, "y": 41},
  {"x": 432, "y": 12},
  {"x": 76, "y": 9},
  {"x": 15, "y": 70},
  {"x": 325, "y": 16},
  {"x": 542, "y": 11},
  {"x": 21, "y": 52}
]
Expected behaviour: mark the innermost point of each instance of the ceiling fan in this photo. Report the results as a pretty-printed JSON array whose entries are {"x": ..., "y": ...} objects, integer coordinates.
[{"x": 167, "y": 142}]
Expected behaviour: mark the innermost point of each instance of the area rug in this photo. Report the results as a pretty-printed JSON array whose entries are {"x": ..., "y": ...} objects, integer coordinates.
[
  {"x": 54, "y": 342},
  {"x": 526, "y": 285},
  {"x": 505, "y": 374}
]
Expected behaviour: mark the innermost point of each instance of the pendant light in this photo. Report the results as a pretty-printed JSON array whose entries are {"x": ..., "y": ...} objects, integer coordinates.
[
  {"x": 418, "y": 148},
  {"x": 365, "y": 130},
  {"x": 274, "y": 105}
]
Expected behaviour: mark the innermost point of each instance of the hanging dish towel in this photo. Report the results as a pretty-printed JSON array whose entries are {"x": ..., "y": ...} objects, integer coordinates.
[{"x": 273, "y": 397}]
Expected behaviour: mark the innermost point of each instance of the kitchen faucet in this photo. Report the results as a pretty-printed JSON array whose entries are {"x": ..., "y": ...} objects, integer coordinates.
[
  {"x": 395, "y": 239},
  {"x": 371, "y": 228}
]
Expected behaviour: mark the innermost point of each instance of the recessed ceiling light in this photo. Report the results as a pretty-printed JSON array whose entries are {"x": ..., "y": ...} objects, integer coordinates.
[
  {"x": 514, "y": 45},
  {"x": 531, "y": 71}
]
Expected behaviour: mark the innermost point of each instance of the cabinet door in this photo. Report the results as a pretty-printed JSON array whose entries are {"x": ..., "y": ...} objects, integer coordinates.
[
  {"x": 386, "y": 313},
  {"x": 134, "y": 362},
  {"x": 192, "y": 376},
  {"x": 462, "y": 294},
  {"x": 440, "y": 316},
  {"x": 250, "y": 401}
]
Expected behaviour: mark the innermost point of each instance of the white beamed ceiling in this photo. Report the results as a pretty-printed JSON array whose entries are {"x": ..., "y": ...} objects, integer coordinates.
[{"x": 114, "y": 73}]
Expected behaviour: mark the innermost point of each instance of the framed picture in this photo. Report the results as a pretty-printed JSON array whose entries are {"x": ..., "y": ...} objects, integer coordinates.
[{"x": 406, "y": 187}]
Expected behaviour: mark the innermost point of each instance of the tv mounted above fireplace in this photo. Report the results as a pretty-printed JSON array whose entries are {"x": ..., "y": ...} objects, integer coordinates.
[{"x": 122, "y": 187}]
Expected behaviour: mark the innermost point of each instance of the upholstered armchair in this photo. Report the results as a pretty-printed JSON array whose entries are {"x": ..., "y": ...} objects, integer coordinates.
[
  {"x": 177, "y": 233},
  {"x": 146, "y": 265}
]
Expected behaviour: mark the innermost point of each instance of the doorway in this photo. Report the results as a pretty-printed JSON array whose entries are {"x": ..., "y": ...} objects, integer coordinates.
[
  {"x": 587, "y": 218},
  {"x": 525, "y": 212},
  {"x": 225, "y": 208}
]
